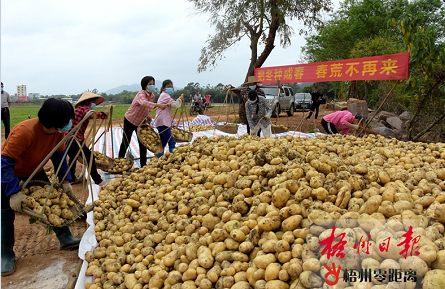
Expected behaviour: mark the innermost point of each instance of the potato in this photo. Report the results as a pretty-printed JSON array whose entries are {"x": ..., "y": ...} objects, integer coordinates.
[
  {"x": 205, "y": 258},
  {"x": 310, "y": 280},
  {"x": 434, "y": 279}
]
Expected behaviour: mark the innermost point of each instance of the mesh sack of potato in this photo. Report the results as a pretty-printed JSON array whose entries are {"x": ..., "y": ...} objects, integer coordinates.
[
  {"x": 201, "y": 127},
  {"x": 227, "y": 128},
  {"x": 181, "y": 135},
  {"x": 149, "y": 138},
  {"x": 60, "y": 209},
  {"x": 121, "y": 165},
  {"x": 279, "y": 128}
]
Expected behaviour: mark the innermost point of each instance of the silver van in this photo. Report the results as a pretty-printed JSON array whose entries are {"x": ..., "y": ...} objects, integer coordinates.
[{"x": 302, "y": 100}]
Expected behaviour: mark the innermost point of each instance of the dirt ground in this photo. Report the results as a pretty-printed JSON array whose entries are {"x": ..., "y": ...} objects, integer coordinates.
[{"x": 43, "y": 265}]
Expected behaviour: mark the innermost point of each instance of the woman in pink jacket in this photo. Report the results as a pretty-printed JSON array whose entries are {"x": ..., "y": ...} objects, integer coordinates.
[
  {"x": 343, "y": 120},
  {"x": 163, "y": 120},
  {"x": 138, "y": 113}
]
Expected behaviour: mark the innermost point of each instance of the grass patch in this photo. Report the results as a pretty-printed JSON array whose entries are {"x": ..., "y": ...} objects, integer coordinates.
[{"x": 19, "y": 112}]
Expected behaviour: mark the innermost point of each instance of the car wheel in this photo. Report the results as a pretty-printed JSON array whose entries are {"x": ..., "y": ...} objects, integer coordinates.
[{"x": 290, "y": 112}]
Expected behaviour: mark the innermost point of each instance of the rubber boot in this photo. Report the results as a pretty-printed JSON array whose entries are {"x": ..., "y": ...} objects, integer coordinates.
[
  {"x": 66, "y": 239},
  {"x": 7, "y": 230}
]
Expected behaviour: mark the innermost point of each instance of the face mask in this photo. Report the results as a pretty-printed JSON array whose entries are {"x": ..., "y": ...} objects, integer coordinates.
[
  {"x": 252, "y": 87},
  {"x": 169, "y": 90},
  {"x": 93, "y": 106},
  {"x": 66, "y": 128},
  {"x": 251, "y": 101},
  {"x": 151, "y": 88},
  {"x": 2, "y": 89}
]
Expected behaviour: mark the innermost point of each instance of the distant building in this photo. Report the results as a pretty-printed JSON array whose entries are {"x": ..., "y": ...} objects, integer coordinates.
[
  {"x": 21, "y": 90},
  {"x": 34, "y": 95}
]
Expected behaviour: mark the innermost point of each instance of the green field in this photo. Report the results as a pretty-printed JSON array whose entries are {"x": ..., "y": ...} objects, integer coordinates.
[{"x": 20, "y": 112}]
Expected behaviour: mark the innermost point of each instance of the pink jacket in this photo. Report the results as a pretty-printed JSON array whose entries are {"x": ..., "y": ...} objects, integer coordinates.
[
  {"x": 140, "y": 107},
  {"x": 339, "y": 118},
  {"x": 164, "y": 117}
]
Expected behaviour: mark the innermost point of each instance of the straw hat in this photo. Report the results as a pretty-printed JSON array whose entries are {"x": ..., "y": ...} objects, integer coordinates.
[
  {"x": 251, "y": 79},
  {"x": 89, "y": 95}
]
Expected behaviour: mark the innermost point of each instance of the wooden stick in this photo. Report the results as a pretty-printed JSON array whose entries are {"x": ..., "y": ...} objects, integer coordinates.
[{"x": 381, "y": 105}]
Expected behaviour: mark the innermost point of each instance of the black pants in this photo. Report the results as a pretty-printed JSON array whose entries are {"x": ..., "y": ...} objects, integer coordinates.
[
  {"x": 314, "y": 107},
  {"x": 248, "y": 130},
  {"x": 129, "y": 128},
  {"x": 72, "y": 151},
  {"x": 328, "y": 127},
  {"x": 40, "y": 176},
  {"x": 6, "y": 121}
]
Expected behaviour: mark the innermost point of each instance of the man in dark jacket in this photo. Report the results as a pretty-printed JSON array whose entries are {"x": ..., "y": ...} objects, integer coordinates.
[{"x": 315, "y": 102}]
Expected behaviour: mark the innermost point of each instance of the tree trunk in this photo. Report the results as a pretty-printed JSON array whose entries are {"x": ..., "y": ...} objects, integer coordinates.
[
  {"x": 365, "y": 84},
  {"x": 274, "y": 25},
  {"x": 419, "y": 135}
]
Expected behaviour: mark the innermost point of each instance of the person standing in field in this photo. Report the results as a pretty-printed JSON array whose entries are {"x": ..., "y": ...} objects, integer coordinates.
[
  {"x": 87, "y": 102},
  {"x": 315, "y": 103},
  {"x": 6, "y": 103},
  {"x": 163, "y": 120},
  {"x": 207, "y": 101},
  {"x": 27, "y": 146},
  {"x": 343, "y": 120},
  {"x": 138, "y": 113}
]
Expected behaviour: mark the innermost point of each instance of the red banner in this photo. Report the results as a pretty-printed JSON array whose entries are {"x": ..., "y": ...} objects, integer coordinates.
[{"x": 394, "y": 66}]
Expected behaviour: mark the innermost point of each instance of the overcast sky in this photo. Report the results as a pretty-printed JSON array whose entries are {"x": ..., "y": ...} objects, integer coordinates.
[{"x": 66, "y": 47}]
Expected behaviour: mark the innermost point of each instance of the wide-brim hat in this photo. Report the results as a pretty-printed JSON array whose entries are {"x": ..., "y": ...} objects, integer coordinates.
[
  {"x": 89, "y": 95},
  {"x": 251, "y": 79}
]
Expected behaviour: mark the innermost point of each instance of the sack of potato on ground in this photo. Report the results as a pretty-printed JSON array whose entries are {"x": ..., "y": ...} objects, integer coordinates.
[
  {"x": 201, "y": 127},
  {"x": 252, "y": 212}
]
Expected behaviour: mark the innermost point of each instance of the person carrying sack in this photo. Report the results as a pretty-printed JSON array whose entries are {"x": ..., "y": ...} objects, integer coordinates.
[
  {"x": 26, "y": 147},
  {"x": 258, "y": 113},
  {"x": 138, "y": 113},
  {"x": 251, "y": 84},
  {"x": 87, "y": 102},
  {"x": 163, "y": 120}
]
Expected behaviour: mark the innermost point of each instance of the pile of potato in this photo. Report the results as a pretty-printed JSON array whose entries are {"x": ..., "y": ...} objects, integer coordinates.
[
  {"x": 246, "y": 213},
  {"x": 57, "y": 210},
  {"x": 149, "y": 138},
  {"x": 101, "y": 158},
  {"x": 277, "y": 128},
  {"x": 180, "y": 134},
  {"x": 121, "y": 165},
  {"x": 201, "y": 127}
]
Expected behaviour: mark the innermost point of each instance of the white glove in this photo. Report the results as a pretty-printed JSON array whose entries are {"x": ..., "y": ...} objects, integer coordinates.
[
  {"x": 67, "y": 187},
  {"x": 16, "y": 200},
  {"x": 355, "y": 126}
]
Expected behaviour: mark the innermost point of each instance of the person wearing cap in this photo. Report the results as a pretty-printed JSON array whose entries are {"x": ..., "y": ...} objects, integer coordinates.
[
  {"x": 6, "y": 103},
  {"x": 343, "y": 120},
  {"x": 251, "y": 84},
  {"x": 87, "y": 102},
  {"x": 258, "y": 113},
  {"x": 27, "y": 146},
  {"x": 138, "y": 113}
]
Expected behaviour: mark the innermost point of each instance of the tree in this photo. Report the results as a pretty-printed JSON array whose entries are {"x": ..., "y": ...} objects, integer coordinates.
[{"x": 259, "y": 20}]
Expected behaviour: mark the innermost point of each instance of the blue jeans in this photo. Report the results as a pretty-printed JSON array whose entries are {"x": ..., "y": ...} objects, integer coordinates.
[{"x": 165, "y": 133}]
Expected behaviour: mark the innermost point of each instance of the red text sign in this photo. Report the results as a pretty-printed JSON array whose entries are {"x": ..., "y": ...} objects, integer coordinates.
[{"x": 394, "y": 66}]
